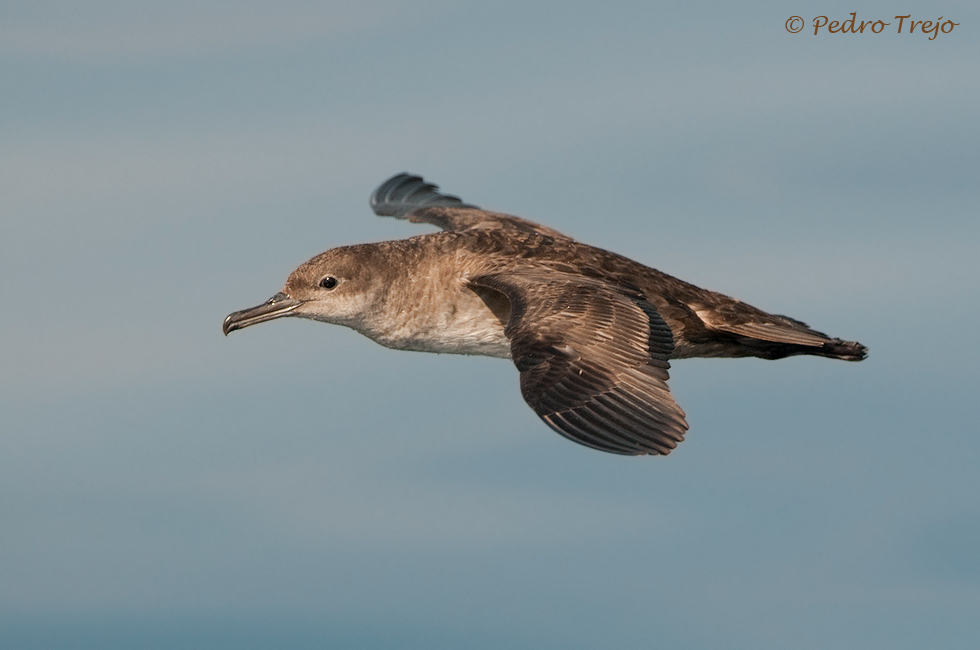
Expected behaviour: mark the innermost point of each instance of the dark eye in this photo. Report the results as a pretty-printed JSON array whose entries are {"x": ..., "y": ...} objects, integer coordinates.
[{"x": 328, "y": 282}]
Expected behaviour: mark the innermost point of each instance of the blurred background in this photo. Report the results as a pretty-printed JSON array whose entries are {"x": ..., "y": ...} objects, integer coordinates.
[{"x": 298, "y": 486}]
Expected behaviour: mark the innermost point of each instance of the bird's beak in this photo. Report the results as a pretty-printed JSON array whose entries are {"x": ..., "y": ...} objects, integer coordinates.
[{"x": 277, "y": 306}]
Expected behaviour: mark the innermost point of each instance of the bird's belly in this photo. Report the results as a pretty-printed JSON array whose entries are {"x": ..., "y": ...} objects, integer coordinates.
[
  {"x": 478, "y": 333},
  {"x": 474, "y": 341}
]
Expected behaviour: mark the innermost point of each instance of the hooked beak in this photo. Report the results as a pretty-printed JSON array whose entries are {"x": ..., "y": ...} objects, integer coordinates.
[{"x": 277, "y": 306}]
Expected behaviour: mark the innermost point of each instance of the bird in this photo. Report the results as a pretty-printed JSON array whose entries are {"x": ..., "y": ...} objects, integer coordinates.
[{"x": 591, "y": 332}]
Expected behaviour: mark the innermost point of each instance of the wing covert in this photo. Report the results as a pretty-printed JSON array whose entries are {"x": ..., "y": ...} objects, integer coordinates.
[{"x": 593, "y": 361}]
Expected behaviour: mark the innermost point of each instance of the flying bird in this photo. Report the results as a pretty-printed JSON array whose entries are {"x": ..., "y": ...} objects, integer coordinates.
[{"x": 591, "y": 332}]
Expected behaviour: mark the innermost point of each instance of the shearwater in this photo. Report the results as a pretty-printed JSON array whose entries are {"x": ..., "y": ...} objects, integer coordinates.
[{"x": 591, "y": 332}]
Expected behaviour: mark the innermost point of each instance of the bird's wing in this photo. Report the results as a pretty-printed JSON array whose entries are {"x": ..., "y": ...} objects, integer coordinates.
[
  {"x": 405, "y": 196},
  {"x": 592, "y": 358}
]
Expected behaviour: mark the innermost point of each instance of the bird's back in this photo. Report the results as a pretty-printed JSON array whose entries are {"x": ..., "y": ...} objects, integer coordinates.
[{"x": 704, "y": 323}]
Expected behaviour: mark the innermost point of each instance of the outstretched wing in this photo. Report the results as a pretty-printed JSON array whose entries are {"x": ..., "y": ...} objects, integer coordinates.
[
  {"x": 404, "y": 193},
  {"x": 593, "y": 360},
  {"x": 406, "y": 196}
]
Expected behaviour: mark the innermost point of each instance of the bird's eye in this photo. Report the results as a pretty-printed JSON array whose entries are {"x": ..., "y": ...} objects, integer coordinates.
[{"x": 328, "y": 282}]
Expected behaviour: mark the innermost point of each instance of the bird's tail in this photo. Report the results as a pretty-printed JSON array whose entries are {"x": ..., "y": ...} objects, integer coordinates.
[
  {"x": 831, "y": 348},
  {"x": 845, "y": 350},
  {"x": 772, "y": 336}
]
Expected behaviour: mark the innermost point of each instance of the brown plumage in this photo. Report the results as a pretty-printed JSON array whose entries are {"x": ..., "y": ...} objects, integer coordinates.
[{"x": 590, "y": 331}]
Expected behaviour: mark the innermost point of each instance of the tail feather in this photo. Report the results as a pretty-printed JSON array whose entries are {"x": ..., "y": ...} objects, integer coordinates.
[
  {"x": 771, "y": 336},
  {"x": 831, "y": 348},
  {"x": 845, "y": 350}
]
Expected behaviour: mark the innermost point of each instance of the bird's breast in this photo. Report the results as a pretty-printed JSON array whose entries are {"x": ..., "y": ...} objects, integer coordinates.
[{"x": 448, "y": 322}]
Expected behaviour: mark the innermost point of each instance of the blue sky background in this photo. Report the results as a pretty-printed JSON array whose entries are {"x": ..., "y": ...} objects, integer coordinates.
[{"x": 298, "y": 486}]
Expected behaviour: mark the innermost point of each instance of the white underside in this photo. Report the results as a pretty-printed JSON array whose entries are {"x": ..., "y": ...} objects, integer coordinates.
[
  {"x": 471, "y": 328},
  {"x": 477, "y": 343}
]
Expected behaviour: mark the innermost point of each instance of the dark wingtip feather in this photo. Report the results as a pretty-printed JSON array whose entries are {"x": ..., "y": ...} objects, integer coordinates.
[{"x": 403, "y": 193}]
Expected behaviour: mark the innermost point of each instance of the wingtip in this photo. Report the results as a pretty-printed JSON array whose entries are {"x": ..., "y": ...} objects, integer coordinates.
[
  {"x": 405, "y": 192},
  {"x": 379, "y": 197}
]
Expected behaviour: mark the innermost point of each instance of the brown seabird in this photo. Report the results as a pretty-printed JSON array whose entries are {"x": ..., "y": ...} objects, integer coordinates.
[{"x": 590, "y": 331}]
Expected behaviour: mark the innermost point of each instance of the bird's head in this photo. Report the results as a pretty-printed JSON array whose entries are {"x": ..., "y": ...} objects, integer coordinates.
[{"x": 333, "y": 287}]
